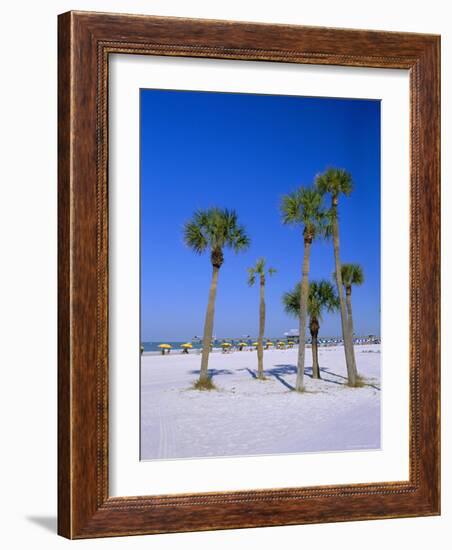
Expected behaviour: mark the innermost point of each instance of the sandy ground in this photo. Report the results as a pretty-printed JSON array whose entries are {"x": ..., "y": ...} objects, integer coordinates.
[{"x": 246, "y": 416}]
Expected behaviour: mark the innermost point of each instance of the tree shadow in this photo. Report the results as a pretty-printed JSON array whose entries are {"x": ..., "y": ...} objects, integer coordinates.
[
  {"x": 213, "y": 372},
  {"x": 252, "y": 373},
  {"x": 278, "y": 371},
  {"x": 309, "y": 372},
  {"x": 284, "y": 382},
  {"x": 346, "y": 380},
  {"x": 49, "y": 523}
]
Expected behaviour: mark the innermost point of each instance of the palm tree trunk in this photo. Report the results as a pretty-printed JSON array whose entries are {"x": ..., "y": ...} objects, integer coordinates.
[
  {"x": 208, "y": 325},
  {"x": 313, "y": 327},
  {"x": 260, "y": 341},
  {"x": 348, "y": 344},
  {"x": 348, "y": 299},
  {"x": 299, "y": 385}
]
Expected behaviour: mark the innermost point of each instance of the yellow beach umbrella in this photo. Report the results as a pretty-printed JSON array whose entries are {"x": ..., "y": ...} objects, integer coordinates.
[
  {"x": 186, "y": 347},
  {"x": 164, "y": 347},
  {"x": 242, "y": 344},
  {"x": 226, "y": 344},
  {"x": 269, "y": 344}
]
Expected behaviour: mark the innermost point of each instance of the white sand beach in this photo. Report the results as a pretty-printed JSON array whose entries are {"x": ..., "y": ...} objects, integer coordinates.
[{"x": 245, "y": 416}]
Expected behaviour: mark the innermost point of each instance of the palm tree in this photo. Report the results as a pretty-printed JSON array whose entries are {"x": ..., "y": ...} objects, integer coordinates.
[
  {"x": 213, "y": 229},
  {"x": 352, "y": 274},
  {"x": 322, "y": 296},
  {"x": 335, "y": 182},
  {"x": 259, "y": 270},
  {"x": 303, "y": 208}
]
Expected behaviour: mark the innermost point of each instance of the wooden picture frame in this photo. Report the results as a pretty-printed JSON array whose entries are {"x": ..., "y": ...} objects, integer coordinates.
[{"x": 85, "y": 508}]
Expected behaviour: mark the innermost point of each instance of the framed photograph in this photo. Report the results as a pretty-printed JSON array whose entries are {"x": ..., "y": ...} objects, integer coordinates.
[{"x": 249, "y": 267}]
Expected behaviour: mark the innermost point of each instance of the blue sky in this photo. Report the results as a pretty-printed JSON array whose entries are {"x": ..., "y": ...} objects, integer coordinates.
[{"x": 244, "y": 152}]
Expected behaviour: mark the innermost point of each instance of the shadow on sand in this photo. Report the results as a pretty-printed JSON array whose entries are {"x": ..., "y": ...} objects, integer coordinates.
[
  {"x": 212, "y": 372},
  {"x": 346, "y": 379},
  {"x": 279, "y": 371}
]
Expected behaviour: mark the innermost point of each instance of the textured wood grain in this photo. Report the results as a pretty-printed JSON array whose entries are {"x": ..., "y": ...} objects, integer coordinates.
[
  {"x": 64, "y": 295},
  {"x": 85, "y": 42}
]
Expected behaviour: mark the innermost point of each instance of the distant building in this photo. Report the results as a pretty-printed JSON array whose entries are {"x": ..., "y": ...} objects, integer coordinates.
[{"x": 292, "y": 334}]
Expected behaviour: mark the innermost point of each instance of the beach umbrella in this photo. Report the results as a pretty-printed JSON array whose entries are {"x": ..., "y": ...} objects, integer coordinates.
[
  {"x": 270, "y": 343},
  {"x": 255, "y": 344},
  {"x": 226, "y": 345},
  {"x": 242, "y": 344},
  {"x": 164, "y": 347},
  {"x": 186, "y": 347}
]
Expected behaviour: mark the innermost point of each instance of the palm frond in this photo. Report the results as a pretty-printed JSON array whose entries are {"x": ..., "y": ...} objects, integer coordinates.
[
  {"x": 327, "y": 223},
  {"x": 259, "y": 269},
  {"x": 238, "y": 240},
  {"x": 335, "y": 181},
  {"x": 291, "y": 208},
  {"x": 322, "y": 297},
  {"x": 194, "y": 237},
  {"x": 304, "y": 207},
  {"x": 326, "y": 296},
  {"x": 352, "y": 274},
  {"x": 251, "y": 276},
  {"x": 215, "y": 228},
  {"x": 291, "y": 301},
  {"x": 260, "y": 266}
]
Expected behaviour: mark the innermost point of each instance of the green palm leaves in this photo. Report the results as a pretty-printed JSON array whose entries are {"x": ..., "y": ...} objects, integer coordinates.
[
  {"x": 259, "y": 270},
  {"x": 322, "y": 297},
  {"x": 215, "y": 229},
  {"x": 334, "y": 181},
  {"x": 352, "y": 274},
  {"x": 303, "y": 207}
]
